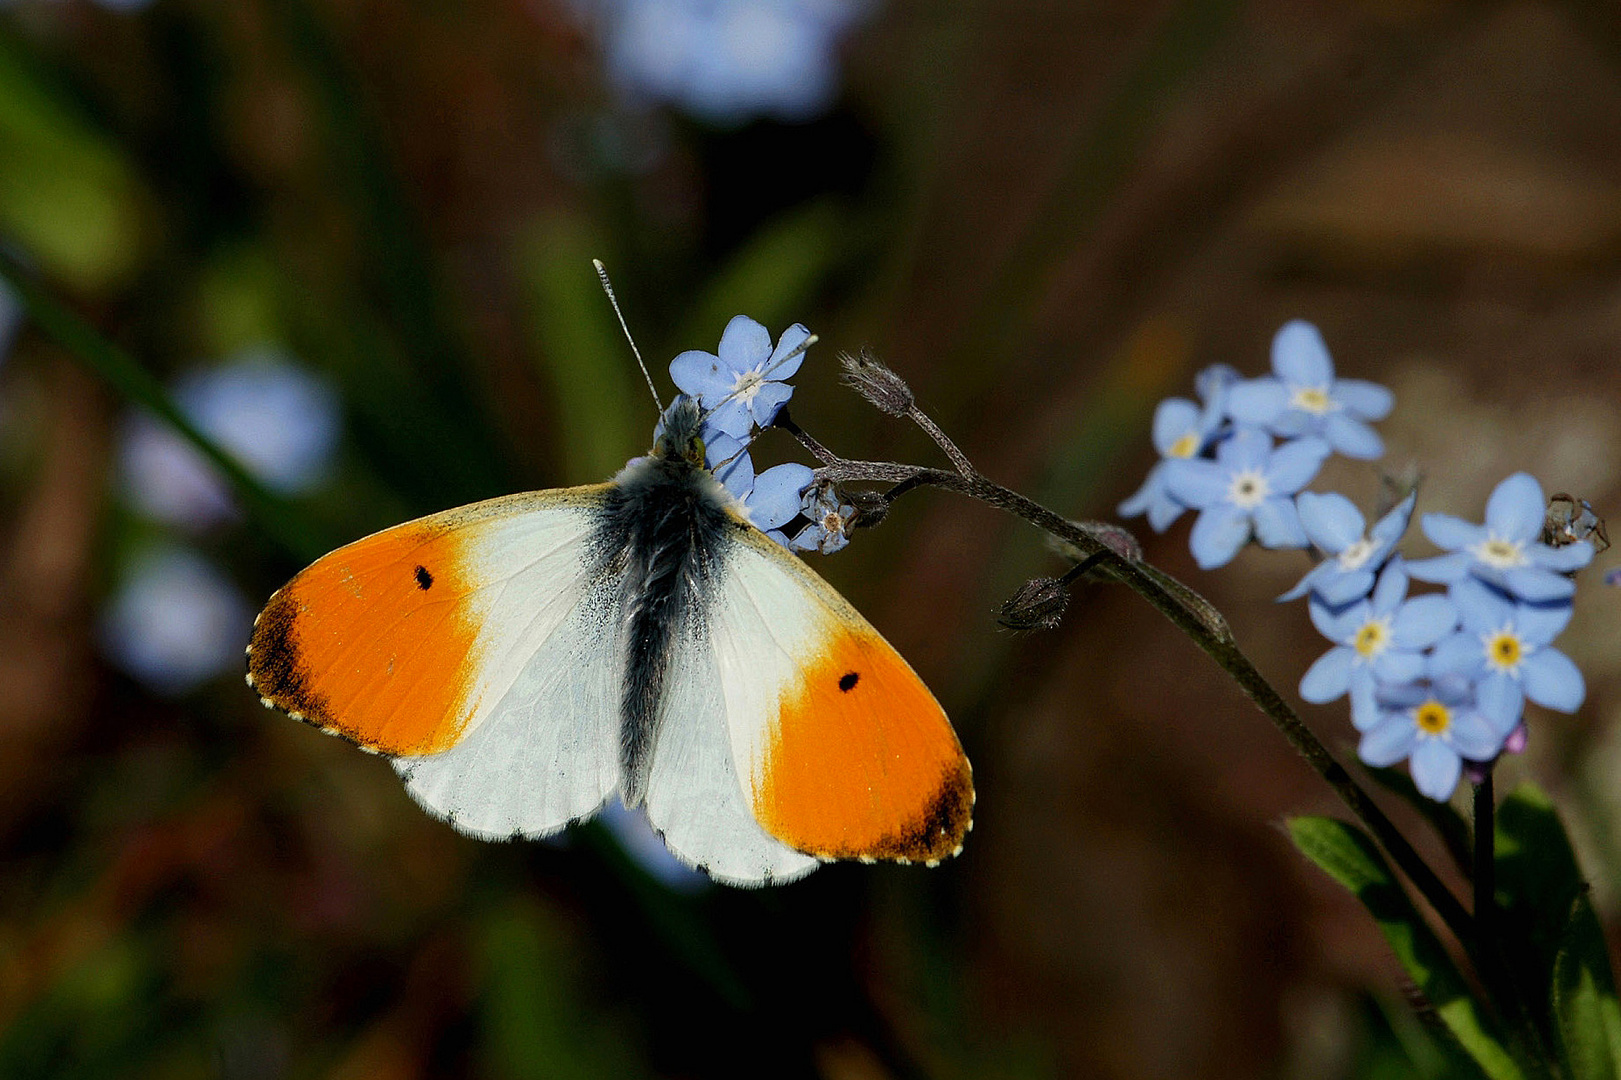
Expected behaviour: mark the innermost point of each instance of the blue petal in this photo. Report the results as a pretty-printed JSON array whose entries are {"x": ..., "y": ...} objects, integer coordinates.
[
  {"x": 699, "y": 373},
  {"x": 745, "y": 345},
  {"x": 1196, "y": 483},
  {"x": 1277, "y": 524},
  {"x": 1451, "y": 533},
  {"x": 1553, "y": 681},
  {"x": 1459, "y": 654},
  {"x": 1247, "y": 448},
  {"x": 1541, "y": 623},
  {"x": 1481, "y": 608},
  {"x": 1257, "y": 401},
  {"x": 1436, "y": 767},
  {"x": 1294, "y": 464},
  {"x": 1163, "y": 512},
  {"x": 1331, "y": 521},
  {"x": 1336, "y": 624},
  {"x": 1562, "y": 559},
  {"x": 1362, "y": 399},
  {"x": 1329, "y": 677},
  {"x": 1341, "y": 587},
  {"x": 770, "y": 398},
  {"x": 1217, "y": 536},
  {"x": 1502, "y": 702},
  {"x": 1390, "y": 590},
  {"x": 1516, "y": 508},
  {"x": 782, "y": 370},
  {"x": 776, "y": 497},
  {"x": 1474, "y": 737},
  {"x": 731, "y": 463},
  {"x": 1153, "y": 489},
  {"x": 1390, "y": 528},
  {"x": 1364, "y": 704},
  {"x": 1300, "y": 356},
  {"x": 1352, "y": 438},
  {"x": 1423, "y": 621},
  {"x": 1213, "y": 383},
  {"x": 1441, "y": 570},
  {"x": 1537, "y": 585},
  {"x": 1174, "y": 418},
  {"x": 1388, "y": 741},
  {"x": 1399, "y": 666}
]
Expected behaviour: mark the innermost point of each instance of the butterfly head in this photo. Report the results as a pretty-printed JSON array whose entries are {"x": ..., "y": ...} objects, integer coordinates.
[{"x": 679, "y": 436}]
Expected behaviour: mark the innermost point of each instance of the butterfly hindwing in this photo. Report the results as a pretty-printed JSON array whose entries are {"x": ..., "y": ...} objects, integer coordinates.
[{"x": 477, "y": 646}]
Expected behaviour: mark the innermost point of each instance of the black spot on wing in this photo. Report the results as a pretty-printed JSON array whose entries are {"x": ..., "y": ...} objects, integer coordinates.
[
  {"x": 847, "y": 681},
  {"x": 424, "y": 579}
]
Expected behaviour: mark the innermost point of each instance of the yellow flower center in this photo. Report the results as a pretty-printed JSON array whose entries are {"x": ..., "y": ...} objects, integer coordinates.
[
  {"x": 1504, "y": 649},
  {"x": 1185, "y": 447},
  {"x": 1373, "y": 638},
  {"x": 1432, "y": 717},
  {"x": 1500, "y": 554},
  {"x": 1312, "y": 399}
]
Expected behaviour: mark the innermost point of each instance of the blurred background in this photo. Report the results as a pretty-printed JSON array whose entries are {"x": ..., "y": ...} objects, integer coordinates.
[{"x": 352, "y": 240}]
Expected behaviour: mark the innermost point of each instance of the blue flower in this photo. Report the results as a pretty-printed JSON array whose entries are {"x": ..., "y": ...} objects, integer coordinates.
[
  {"x": 639, "y": 840},
  {"x": 1181, "y": 430},
  {"x": 776, "y": 498},
  {"x": 829, "y": 515},
  {"x": 1302, "y": 396},
  {"x": 728, "y": 61},
  {"x": 1334, "y": 524},
  {"x": 1506, "y": 551},
  {"x": 1248, "y": 488},
  {"x": 1437, "y": 725},
  {"x": 1380, "y": 640},
  {"x": 175, "y": 621},
  {"x": 1504, "y": 650},
  {"x": 729, "y": 460},
  {"x": 743, "y": 385},
  {"x": 279, "y": 420}
]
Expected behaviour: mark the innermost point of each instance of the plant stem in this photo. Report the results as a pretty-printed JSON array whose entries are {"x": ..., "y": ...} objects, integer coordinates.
[{"x": 1485, "y": 872}]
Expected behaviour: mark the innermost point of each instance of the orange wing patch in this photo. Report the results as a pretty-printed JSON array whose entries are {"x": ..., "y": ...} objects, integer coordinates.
[
  {"x": 863, "y": 763},
  {"x": 374, "y": 642}
]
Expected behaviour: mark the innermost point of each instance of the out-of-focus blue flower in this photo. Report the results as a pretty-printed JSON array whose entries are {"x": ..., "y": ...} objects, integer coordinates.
[
  {"x": 1302, "y": 396},
  {"x": 1248, "y": 488},
  {"x": 1504, "y": 650},
  {"x": 175, "y": 621},
  {"x": 1437, "y": 726},
  {"x": 643, "y": 844},
  {"x": 1380, "y": 640},
  {"x": 830, "y": 516},
  {"x": 279, "y": 420},
  {"x": 775, "y": 500},
  {"x": 743, "y": 383},
  {"x": 1334, "y": 524},
  {"x": 1506, "y": 551},
  {"x": 1181, "y": 430},
  {"x": 1613, "y": 577},
  {"x": 727, "y": 61}
]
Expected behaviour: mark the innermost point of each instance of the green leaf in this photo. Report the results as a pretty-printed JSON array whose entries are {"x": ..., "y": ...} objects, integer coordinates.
[
  {"x": 1349, "y": 856},
  {"x": 1586, "y": 1011},
  {"x": 1537, "y": 883}
]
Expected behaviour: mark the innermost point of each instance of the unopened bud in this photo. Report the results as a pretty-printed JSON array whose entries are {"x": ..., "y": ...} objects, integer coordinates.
[
  {"x": 1038, "y": 605},
  {"x": 871, "y": 508},
  {"x": 875, "y": 382}
]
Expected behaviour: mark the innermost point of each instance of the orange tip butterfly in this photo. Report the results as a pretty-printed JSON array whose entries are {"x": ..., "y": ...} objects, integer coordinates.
[{"x": 525, "y": 660}]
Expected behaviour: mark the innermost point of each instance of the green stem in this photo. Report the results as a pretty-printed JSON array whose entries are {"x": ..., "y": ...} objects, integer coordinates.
[{"x": 269, "y": 511}]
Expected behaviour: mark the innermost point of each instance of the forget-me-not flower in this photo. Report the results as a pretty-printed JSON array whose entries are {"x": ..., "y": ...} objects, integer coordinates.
[
  {"x": 638, "y": 839},
  {"x": 1334, "y": 524},
  {"x": 776, "y": 498},
  {"x": 175, "y": 621},
  {"x": 728, "y": 458},
  {"x": 278, "y": 419},
  {"x": 1380, "y": 640},
  {"x": 1302, "y": 396},
  {"x": 743, "y": 383},
  {"x": 1437, "y": 726},
  {"x": 1182, "y": 430},
  {"x": 1504, "y": 649},
  {"x": 830, "y": 517},
  {"x": 1507, "y": 551},
  {"x": 1249, "y": 488}
]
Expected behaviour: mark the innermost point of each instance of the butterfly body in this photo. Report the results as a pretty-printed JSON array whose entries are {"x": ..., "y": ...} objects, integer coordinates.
[{"x": 524, "y": 659}]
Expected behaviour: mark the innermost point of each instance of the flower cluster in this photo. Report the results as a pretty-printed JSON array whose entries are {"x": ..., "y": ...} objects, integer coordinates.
[
  {"x": 1438, "y": 679},
  {"x": 1241, "y": 456},
  {"x": 741, "y": 387}
]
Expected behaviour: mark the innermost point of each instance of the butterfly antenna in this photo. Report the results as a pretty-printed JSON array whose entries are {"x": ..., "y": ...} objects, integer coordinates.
[{"x": 607, "y": 287}]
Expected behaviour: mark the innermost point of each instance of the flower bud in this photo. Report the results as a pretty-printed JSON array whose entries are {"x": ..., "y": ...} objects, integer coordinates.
[
  {"x": 875, "y": 382},
  {"x": 1038, "y": 605}
]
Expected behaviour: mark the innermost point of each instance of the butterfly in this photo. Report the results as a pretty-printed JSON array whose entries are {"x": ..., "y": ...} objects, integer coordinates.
[{"x": 524, "y": 660}]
